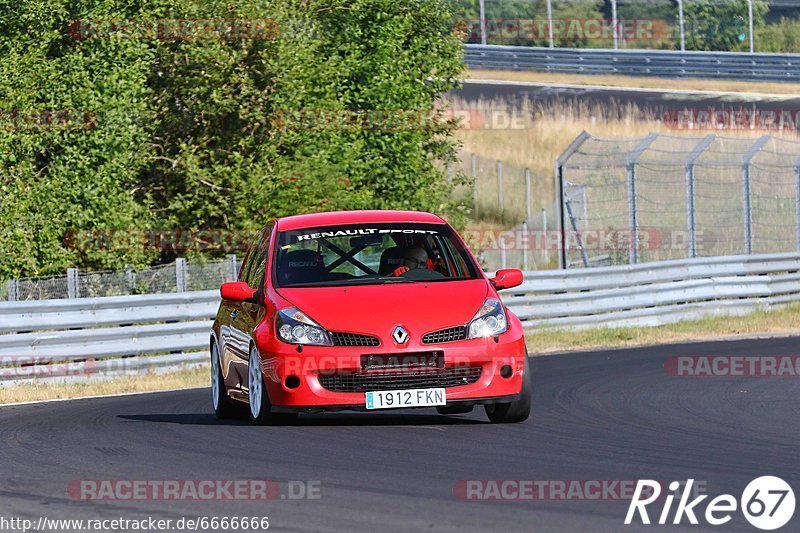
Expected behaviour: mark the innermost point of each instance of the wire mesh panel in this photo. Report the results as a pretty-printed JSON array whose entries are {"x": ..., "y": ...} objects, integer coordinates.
[
  {"x": 209, "y": 275},
  {"x": 774, "y": 183},
  {"x": 666, "y": 197},
  {"x": 595, "y": 202}
]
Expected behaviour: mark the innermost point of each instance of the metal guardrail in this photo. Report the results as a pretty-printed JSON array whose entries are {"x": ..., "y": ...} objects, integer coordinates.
[
  {"x": 661, "y": 63},
  {"x": 133, "y": 334}
]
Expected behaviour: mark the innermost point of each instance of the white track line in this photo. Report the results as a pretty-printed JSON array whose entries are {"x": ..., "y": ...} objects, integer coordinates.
[
  {"x": 628, "y": 89},
  {"x": 34, "y": 402}
]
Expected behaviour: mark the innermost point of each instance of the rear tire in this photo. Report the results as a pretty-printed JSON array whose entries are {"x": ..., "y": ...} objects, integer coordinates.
[
  {"x": 260, "y": 408},
  {"x": 224, "y": 407},
  {"x": 513, "y": 412}
]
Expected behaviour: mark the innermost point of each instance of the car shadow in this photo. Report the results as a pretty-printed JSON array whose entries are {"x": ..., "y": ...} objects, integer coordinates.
[{"x": 311, "y": 420}]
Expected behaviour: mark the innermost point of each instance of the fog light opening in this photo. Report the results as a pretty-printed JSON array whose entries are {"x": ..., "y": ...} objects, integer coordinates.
[
  {"x": 506, "y": 371},
  {"x": 292, "y": 382}
]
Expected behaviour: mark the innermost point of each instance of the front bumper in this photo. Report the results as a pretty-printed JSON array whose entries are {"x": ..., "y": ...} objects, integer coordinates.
[{"x": 293, "y": 378}]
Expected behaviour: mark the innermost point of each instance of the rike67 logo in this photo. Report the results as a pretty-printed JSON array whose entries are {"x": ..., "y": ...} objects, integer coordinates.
[{"x": 767, "y": 503}]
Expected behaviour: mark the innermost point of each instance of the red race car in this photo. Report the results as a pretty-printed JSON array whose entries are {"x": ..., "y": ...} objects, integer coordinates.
[{"x": 366, "y": 310}]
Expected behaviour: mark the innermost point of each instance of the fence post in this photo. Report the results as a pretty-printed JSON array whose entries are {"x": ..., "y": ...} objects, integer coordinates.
[
  {"x": 72, "y": 283},
  {"x": 130, "y": 278},
  {"x": 561, "y": 225},
  {"x": 691, "y": 220},
  {"x": 474, "y": 174},
  {"x": 614, "y": 22},
  {"x": 482, "y": 9},
  {"x": 13, "y": 290},
  {"x": 550, "y": 23},
  {"x": 546, "y": 240},
  {"x": 633, "y": 229},
  {"x": 797, "y": 203},
  {"x": 691, "y": 241},
  {"x": 180, "y": 274},
  {"x": 500, "y": 185},
  {"x": 525, "y": 245},
  {"x": 528, "y": 195},
  {"x": 680, "y": 22},
  {"x": 746, "y": 191},
  {"x": 633, "y": 223},
  {"x": 234, "y": 268},
  {"x": 748, "y": 213}
]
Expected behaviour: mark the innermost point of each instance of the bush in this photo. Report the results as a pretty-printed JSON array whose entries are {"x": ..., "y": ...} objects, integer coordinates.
[{"x": 188, "y": 133}]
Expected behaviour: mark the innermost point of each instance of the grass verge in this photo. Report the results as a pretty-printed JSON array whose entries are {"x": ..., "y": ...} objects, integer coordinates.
[
  {"x": 51, "y": 390},
  {"x": 783, "y": 321},
  {"x": 635, "y": 82}
]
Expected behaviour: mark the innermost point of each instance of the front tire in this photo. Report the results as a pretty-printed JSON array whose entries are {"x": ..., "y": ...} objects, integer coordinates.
[
  {"x": 260, "y": 408},
  {"x": 513, "y": 412}
]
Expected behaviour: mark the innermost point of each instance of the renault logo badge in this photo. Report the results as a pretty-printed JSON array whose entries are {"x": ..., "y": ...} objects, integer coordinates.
[{"x": 400, "y": 335}]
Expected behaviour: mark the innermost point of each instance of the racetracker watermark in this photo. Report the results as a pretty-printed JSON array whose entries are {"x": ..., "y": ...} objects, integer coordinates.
[
  {"x": 567, "y": 29},
  {"x": 395, "y": 120},
  {"x": 40, "y": 120},
  {"x": 191, "y": 489},
  {"x": 550, "y": 489},
  {"x": 754, "y": 119},
  {"x": 727, "y": 366},
  {"x": 589, "y": 239},
  {"x": 178, "y": 29}
]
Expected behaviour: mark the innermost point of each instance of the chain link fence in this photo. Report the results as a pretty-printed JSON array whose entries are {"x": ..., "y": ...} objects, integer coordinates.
[
  {"x": 510, "y": 212},
  {"x": 179, "y": 276},
  {"x": 666, "y": 197}
]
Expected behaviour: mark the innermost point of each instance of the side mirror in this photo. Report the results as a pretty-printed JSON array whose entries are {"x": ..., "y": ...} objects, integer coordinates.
[
  {"x": 237, "y": 291},
  {"x": 507, "y": 278}
]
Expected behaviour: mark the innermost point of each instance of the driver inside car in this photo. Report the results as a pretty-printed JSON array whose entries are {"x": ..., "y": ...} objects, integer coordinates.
[{"x": 413, "y": 257}]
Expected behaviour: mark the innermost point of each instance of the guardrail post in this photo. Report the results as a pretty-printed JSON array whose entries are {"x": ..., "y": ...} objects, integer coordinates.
[
  {"x": 180, "y": 274},
  {"x": 500, "y": 185},
  {"x": 72, "y": 283},
  {"x": 13, "y": 290}
]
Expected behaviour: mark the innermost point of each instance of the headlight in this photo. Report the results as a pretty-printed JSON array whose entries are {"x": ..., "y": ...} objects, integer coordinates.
[
  {"x": 294, "y": 327},
  {"x": 490, "y": 320}
]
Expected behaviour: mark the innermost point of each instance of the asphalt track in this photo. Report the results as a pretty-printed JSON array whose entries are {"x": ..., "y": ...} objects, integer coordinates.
[
  {"x": 648, "y": 100},
  {"x": 613, "y": 415}
]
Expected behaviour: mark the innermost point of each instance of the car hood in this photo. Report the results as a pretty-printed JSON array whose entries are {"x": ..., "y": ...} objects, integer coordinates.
[{"x": 375, "y": 309}]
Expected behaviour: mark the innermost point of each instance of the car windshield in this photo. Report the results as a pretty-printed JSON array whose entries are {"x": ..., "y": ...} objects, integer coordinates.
[{"x": 371, "y": 254}]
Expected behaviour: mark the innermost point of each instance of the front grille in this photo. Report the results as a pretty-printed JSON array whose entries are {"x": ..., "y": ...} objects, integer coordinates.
[
  {"x": 458, "y": 333},
  {"x": 423, "y": 379},
  {"x": 353, "y": 339}
]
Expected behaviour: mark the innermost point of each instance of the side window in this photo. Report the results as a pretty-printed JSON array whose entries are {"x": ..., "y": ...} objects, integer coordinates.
[
  {"x": 259, "y": 257},
  {"x": 247, "y": 264}
]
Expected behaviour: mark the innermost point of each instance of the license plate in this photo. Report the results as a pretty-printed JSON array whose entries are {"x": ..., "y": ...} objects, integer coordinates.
[{"x": 392, "y": 399}]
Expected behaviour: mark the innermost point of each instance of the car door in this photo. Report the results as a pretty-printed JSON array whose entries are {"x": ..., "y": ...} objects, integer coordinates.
[{"x": 246, "y": 315}]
